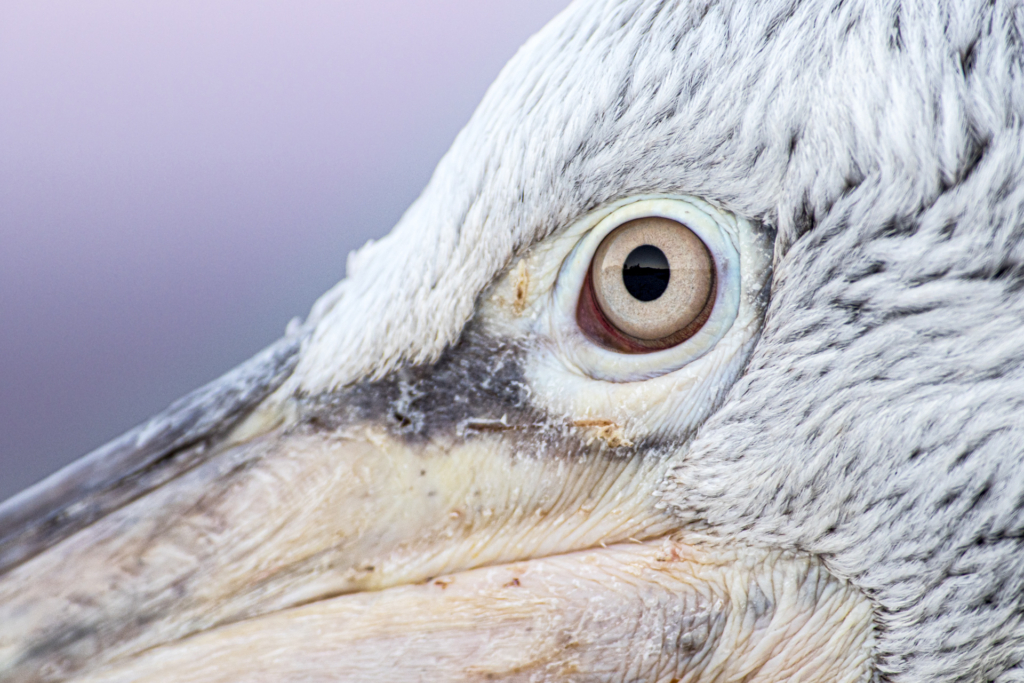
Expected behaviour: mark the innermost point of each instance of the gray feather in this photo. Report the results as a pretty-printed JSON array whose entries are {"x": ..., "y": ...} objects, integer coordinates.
[{"x": 880, "y": 422}]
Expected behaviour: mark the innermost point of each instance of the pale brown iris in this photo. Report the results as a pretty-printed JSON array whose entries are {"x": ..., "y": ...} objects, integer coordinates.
[{"x": 650, "y": 286}]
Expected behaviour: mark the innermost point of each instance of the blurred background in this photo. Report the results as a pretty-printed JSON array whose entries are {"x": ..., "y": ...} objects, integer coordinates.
[{"x": 180, "y": 178}]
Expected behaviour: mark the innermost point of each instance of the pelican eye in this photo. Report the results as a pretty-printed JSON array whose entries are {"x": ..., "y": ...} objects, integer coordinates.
[{"x": 650, "y": 286}]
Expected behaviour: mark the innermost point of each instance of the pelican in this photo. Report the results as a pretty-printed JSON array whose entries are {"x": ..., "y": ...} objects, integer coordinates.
[{"x": 700, "y": 358}]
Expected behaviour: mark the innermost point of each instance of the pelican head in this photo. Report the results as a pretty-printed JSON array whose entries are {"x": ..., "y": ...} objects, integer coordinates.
[{"x": 698, "y": 359}]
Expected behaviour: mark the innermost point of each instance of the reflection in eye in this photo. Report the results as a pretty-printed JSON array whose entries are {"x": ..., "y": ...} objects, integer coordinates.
[
  {"x": 646, "y": 272},
  {"x": 651, "y": 285}
]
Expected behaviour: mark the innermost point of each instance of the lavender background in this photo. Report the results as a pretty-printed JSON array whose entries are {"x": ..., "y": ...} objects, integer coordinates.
[{"x": 179, "y": 178}]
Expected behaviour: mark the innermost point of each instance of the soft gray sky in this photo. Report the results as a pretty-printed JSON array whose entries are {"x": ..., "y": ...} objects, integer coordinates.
[{"x": 180, "y": 178}]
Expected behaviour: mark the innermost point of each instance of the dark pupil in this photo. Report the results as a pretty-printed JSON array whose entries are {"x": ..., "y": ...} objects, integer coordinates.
[{"x": 646, "y": 272}]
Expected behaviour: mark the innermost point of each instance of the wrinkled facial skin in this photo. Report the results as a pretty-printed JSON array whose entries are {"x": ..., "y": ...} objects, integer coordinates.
[{"x": 279, "y": 539}]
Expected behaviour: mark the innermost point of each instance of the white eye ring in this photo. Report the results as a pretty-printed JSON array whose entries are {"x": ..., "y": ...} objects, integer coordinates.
[{"x": 720, "y": 233}]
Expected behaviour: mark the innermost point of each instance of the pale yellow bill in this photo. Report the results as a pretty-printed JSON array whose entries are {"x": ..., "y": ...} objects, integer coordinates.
[
  {"x": 660, "y": 611},
  {"x": 305, "y": 556}
]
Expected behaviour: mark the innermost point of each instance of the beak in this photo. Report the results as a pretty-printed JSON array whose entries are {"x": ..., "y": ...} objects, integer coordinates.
[{"x": 417, "y": 527}]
